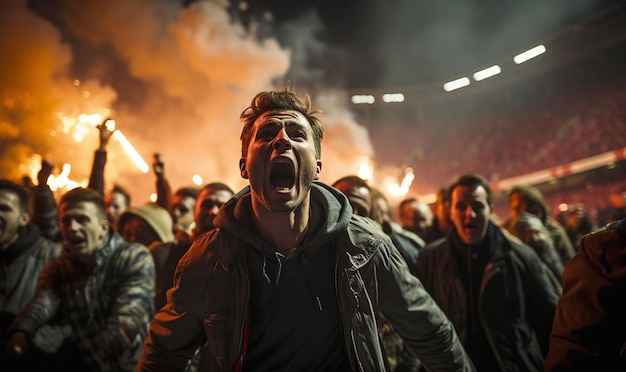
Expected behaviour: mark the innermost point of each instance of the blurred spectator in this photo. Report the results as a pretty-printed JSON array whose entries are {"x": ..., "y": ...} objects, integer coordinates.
[
  {"x": 23, "y": 253},
  {"x": 167, "y": 254},
  {"x": 616, "y": 209},
  {"x": 493, "y": 288},
  {"x": 148, "y": 224},
  {"x": 531, "y": 231},
  {"x": 577, "y": 223},
  {"x": 117, "y": 201},
  {"x": 44, "y": 205},
  {"x": 523, "y": 198},
  {"x": 101, "y": 285},
  {"x": 441, "y": 220},
  {"x": 358, "y": 193},
  {"x": 180, "y": 205},
  {"x": 417, "y": 217},
  {"x": 589, "y": 327},
  {"x": 407, "y": 242}
]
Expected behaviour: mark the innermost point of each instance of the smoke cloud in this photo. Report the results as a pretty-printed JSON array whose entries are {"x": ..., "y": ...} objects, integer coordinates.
[{"x": 174, "y": 78}]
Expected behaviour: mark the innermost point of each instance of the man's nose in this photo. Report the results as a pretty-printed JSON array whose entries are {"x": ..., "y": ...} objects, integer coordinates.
[
  {"x": 74, "y": 225},
  {"x": 469, "y": 211},
  {"x": 213, "y": 210},
  {"x": 282, "y": 140}
]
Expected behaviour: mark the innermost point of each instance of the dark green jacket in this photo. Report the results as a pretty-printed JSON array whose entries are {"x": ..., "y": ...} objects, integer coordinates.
[{"x": 209, "y": 303}]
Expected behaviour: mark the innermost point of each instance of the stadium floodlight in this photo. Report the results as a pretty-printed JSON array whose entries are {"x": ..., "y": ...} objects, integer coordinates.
[
  {"x": 529, "y": 54},
  {"x": 363, "y": 98},
  {"x": 456, "y": 84},
  {"x": 393, "y": 97},
  {"x": 487, "y": 73}
]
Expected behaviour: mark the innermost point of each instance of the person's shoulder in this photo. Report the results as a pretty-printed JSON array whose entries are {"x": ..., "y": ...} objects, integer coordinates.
[
  {"x": 47, "y": 249},
  {"x": 605, "y": 249},
  {"x": 432, "y": 251},
  {"x": 516, "y": 243},
  {"x": 217, "y": 243},
  {"x": 160, "y": 247},
  {"x": 365, "y": 228},
  {"x": 363, "y": 237}
]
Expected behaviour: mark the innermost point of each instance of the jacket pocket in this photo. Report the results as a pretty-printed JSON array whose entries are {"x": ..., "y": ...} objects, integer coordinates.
[{"x": 216, "y": 329}]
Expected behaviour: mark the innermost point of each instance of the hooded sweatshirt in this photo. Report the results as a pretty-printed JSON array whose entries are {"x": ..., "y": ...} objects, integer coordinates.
[{"x": 285, "y": 290}]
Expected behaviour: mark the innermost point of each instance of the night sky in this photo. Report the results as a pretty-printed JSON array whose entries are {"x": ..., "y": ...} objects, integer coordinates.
[{"x": 176, "y": 75}]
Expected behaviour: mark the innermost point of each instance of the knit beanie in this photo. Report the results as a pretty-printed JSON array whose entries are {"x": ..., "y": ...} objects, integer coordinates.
[
  {"x": 534, "y": 195},
  {"x": 156, "y": 216}
]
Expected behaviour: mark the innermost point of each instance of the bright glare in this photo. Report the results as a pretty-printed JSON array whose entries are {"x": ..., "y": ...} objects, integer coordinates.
[
  {"x": 403, "y": 188},
  {"x": 366, "y": 170},
  {"x": 529, "y": 54},
  {"x": 153, "y": 197},
  {"x": 363, "y": 98},
  {"x": 563, "y": 207},
  {"x": 197, "y": 179},
  {"x": 393, "y": 97},
  {"x": 62, "y": 180},
  {"x": 131, "y": 151},
  {"x": 486, "y": 73},
  {"x": 456, "y": 84}
]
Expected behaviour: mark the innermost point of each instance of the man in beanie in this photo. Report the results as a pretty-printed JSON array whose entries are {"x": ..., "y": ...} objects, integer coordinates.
[
  {"x": 166, "y": 254},
  {"x": 148, "y": 224},
  {"x": 524, "y": 198}
]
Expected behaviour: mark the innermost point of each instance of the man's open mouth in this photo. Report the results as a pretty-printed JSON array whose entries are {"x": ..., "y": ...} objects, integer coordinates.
[
  {"x": 76, "y": 240},
  {"x": 282, "y": 175}
]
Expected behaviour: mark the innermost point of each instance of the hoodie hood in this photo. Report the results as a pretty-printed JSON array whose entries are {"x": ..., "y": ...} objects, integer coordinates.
[
  {"x": 236, "y": 217},
  {"x": 605, "y": 249}
]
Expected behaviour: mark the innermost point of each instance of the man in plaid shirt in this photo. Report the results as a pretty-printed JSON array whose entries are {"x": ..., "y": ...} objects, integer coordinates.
[{"x": 101, "y": 285}]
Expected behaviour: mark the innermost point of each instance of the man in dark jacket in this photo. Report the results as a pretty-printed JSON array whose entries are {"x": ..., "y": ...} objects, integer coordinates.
[
  {"x": 493, "y": 287},
  {"x": 291, "y": 279},
  {"x": 23, "y": 253},
  {"x": 589, "y": 331},
  {"x": 101, "y": 285}
]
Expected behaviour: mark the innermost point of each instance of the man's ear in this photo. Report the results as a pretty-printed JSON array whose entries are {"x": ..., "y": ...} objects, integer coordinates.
[
  {"x": 242, "y": 168},
  {"x": 24, "y": 219},
  {"x": 318, "y": 169}
]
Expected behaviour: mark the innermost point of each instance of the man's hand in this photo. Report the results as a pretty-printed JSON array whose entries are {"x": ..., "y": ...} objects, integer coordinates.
[
  {"x": 106, "y": 129},
  {"x": 44, "y": 172},
  {"x": 17, "y": 346},
  {"x": 158, "y": 166}
]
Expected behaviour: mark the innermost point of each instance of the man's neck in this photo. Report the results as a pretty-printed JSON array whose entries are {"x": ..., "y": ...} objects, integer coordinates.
[{"x": 283, "y": 231}]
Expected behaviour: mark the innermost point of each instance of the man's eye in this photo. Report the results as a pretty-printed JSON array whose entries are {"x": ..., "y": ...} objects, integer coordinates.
[
  {"x": 265, "y": 135},
  {"x": 298, "y": 134},
  {"x": 82, "y": 219}
]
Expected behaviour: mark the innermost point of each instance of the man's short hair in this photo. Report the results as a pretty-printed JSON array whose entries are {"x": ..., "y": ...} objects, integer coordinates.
[
  {"x": 219, "y": 186},
  {"x": 188, "y": 192},
  {"x": 117, "y": 189},
  {"x": 23, "y": 194},
  {"x": 472, "y": 181},
  {"x": 280, "y": 100},
  {"x": 79, "y": 194},
  {"x": 352, "y": 180}
]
